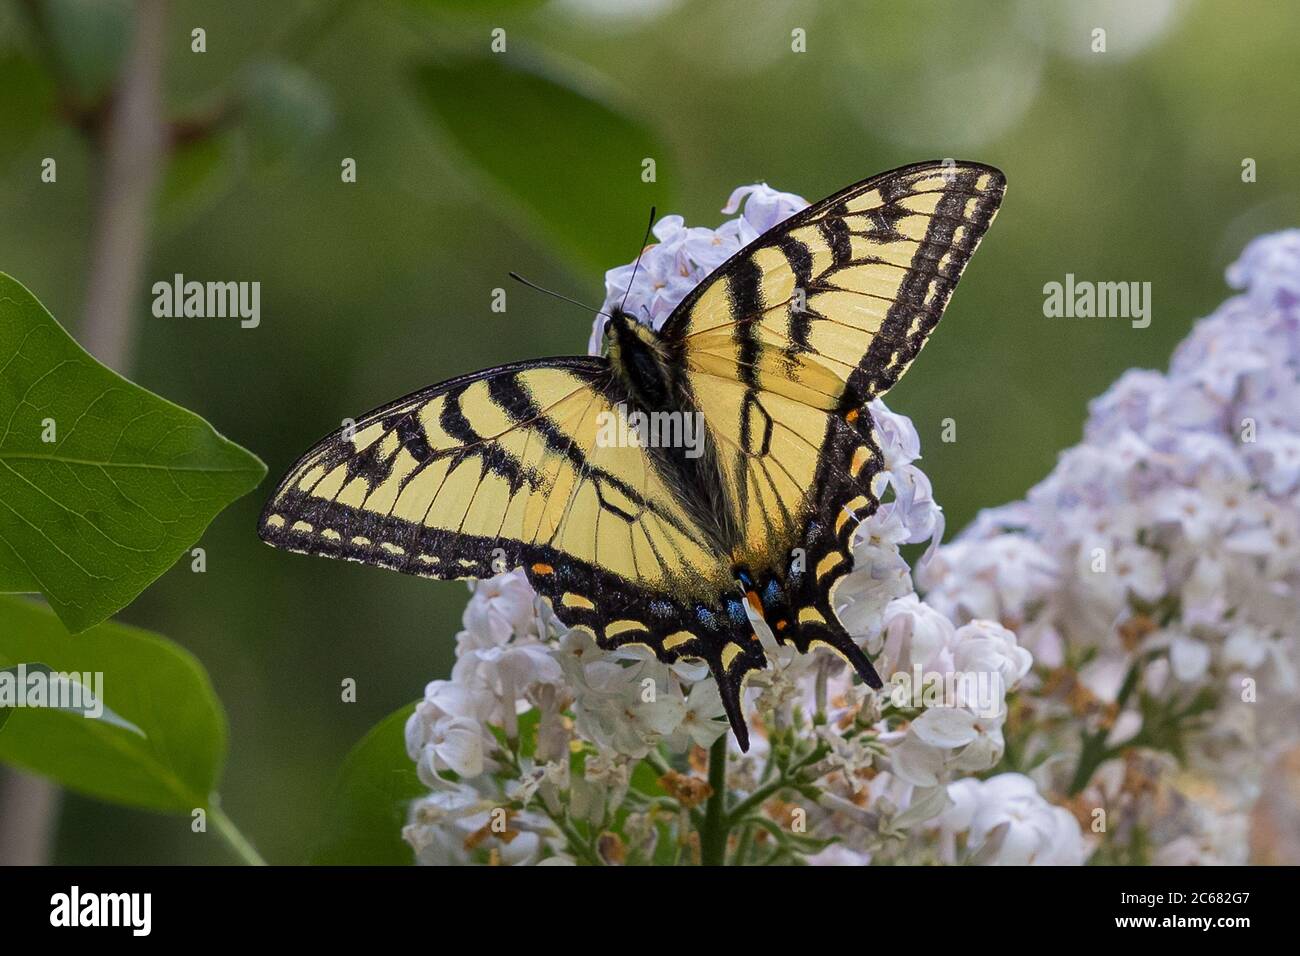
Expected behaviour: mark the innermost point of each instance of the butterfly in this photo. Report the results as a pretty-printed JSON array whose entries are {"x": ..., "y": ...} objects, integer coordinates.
[{"x": 666, "y": 544}]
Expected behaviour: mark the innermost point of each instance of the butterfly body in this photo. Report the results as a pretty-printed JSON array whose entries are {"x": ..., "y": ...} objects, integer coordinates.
[{"x": 767, "y": 365}]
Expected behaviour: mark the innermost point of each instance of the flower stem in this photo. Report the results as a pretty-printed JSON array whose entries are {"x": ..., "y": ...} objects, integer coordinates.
[
  {"x": 237, "y": 842},
  {"x": 1091, "y": 756},
  {"x": 713, "y": 838}
]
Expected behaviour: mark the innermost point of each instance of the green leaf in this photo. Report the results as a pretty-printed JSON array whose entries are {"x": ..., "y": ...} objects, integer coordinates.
[
  {"x": 65, "y": 691},
  {"x": 170, "y": 762},
  {"x": 556, "y": 150},
  {"x": 368, "y": 806},
  {"x": 128, "y": 483}
]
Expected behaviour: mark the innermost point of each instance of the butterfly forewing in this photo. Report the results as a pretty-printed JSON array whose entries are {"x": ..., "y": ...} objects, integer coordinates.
[{"x": 848, "y": 288}]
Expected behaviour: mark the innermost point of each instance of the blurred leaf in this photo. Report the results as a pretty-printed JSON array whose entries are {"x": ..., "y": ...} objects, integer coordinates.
[
  {"x": 559, "y": 152},
  {"x": 197, "y": 174},
  {"x": 368, "y": 806},
  {"x": 286, "y": 109},
  {"x": 170, "y": 765},
  {"x": 128, "y": 485},
  {"x": 26, "y": 102},
  {"x": 90, "y": 40},
  {"x": 67, "y": 687},
  {"x": 645, "y": 779}
]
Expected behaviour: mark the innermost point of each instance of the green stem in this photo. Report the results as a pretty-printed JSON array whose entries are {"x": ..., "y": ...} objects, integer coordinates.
[
  {"x": 756, "y": 799},
  {"x": 713, "y": 837},
  {"x": 770, "y": 789},
  {"x": 1094, "y": 751},
  {"x": 237, "y": 842},
  {"x": 743, "y": 845},
  {"x": 577, "y": 844},
  {"x": 1091, "y": 756}
]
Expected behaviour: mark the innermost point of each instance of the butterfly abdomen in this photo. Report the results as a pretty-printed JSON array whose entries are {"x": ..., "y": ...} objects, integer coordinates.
[{"x": 648, "y": 380}]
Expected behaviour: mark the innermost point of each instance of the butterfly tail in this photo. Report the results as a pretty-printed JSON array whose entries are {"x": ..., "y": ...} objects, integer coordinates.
[
  {"x": 831, "y": 633},
  {"x": 741, "y": 655},
  {"x": 732, "y": 693}
]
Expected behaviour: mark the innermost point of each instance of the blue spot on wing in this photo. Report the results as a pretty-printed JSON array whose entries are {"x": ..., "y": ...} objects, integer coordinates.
[
  {"x": 736, "y": 611},
  {"x": 706, "y": 617},
  {"x": 661, "y": 608}
]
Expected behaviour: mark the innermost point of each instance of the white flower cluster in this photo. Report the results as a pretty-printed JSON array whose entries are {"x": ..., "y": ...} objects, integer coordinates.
[
  {"x": 1157, "y": 568},
  {"x": 1005, "y": 820}
]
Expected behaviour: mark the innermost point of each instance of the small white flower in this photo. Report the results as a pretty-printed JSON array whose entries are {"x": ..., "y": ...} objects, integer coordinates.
[
  {"x": 1006, "y": 821},
  {"x": 986, "y": 646},
  {"x": 500, "y": 607},
  {"x": 838, "y": 855},
  {"x": 619, "y": 711},
  {"x": 916, "y": 635},
  {"x": 455, "y": 744},
  {"x": 701, "y": 725},
  {"x": 765, "y": 207},
  {"x": 1189, "y": 657},
  {"x": 945, "y": 728}
]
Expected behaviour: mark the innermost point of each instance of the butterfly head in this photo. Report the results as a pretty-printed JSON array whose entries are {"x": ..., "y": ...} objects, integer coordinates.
[
  {"x": 637, "y": 353},
  {"x": 624, "y": 335}
]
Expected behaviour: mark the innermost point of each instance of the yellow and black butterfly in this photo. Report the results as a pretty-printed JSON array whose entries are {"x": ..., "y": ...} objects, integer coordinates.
[{"x": 778, "y": 352}]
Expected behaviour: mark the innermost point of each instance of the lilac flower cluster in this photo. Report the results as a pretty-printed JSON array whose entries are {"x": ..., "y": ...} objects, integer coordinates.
[{"x": 1156, "y": 570}]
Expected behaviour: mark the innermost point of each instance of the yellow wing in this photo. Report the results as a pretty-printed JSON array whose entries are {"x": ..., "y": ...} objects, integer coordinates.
[
  {"x": 506, "y": 468},
  {"x": 841, "y": 296},
  {"x": 784, "y": 345},
  {"x": 787, "y": 341},
  {"x": 487, "y": 472}
]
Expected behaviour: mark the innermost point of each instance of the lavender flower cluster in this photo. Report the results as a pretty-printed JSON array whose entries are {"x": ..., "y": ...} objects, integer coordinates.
[{"x": 1155, "y": 575}]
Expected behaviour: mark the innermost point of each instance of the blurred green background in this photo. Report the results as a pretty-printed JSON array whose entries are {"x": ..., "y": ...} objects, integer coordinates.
[{"x": 1122, "y": 166}]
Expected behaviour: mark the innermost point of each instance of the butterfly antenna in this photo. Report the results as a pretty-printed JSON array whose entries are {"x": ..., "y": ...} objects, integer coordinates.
[
  {"x": 637, "y": 265},
  {"x": 564, "y": 298}
]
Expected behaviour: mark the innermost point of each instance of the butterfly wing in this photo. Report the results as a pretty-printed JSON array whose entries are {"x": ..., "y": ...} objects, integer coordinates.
[
  {"x": 847, "y": 289},
  {"x": 786, "y": 342},
  {"x": 507, "y": 468}
]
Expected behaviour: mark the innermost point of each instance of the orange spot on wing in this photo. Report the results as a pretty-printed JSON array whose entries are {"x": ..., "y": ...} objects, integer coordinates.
[
  {"x": 543, "y": 569},
  {"x": 851, "y": 416}
]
